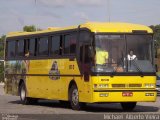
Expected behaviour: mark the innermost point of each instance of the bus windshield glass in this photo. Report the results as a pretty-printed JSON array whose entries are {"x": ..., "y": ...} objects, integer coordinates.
[{"x": 123, "y": 53}]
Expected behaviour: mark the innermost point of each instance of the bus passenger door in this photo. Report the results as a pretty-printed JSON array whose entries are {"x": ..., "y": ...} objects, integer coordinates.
[{"x": 85, "y": 62}]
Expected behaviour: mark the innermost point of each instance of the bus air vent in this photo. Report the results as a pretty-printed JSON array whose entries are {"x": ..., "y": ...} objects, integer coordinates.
[
  {"x": 135, "y": 85},
  {"x": 118, "y": 85}
]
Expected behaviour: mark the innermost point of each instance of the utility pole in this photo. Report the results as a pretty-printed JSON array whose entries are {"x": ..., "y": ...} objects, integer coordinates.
[
  {"x": 36, "y": 12},
  {"x": 108, "y": 9}
]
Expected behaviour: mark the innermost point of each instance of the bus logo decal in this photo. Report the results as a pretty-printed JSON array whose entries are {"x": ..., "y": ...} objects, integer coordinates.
[{"x": 54, "y": 71}]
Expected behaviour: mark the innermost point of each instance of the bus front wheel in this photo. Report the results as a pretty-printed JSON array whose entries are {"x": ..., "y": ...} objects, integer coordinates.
[
  {"x": 128, "y": 106},
  {"x": 24, "y": 99},
  {"x": 74, "y": 98}
]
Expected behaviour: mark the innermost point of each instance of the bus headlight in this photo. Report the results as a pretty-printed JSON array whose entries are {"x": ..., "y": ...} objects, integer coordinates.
[
  {"x": 100, "y": 85},
  {"x": 149, "y": 85}
]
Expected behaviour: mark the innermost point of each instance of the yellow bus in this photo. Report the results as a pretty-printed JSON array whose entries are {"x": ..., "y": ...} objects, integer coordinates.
[{"x": 94, "y": 62}]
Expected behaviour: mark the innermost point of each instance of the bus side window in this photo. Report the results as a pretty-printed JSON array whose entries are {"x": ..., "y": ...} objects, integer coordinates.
[
  {"x": 43, "y": 46},
  {"x": 70, "y": 41},
  {"x": 56, "y": 45},
  {"x": 32, "y": 47},
  {"x": 11, "y": 49},
  {"x": 20, "y": 52},
  {"x": 61, "y": 46},
  {"x": 26, "y": 47}
]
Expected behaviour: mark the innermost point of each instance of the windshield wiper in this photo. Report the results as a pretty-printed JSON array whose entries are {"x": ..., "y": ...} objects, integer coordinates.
[{"x": 138, "y": 68}]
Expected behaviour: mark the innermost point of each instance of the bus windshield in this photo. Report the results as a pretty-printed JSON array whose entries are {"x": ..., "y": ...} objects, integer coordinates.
[{"x": 123, "y": 53}]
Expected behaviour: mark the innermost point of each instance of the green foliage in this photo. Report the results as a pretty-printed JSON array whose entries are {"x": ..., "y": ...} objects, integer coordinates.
[
  {"x": 2, "y": 57},
  {"x": 2, "y": 38},
  {"x": 29, "y": 28},
  {"x": 1, "y": 71},
  {"x": 2, "y": 46},
  {"x": 156, "y": 30}
]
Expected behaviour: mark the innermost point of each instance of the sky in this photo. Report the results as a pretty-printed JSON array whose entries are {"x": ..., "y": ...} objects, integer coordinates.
[{"x": 14, "y": 14}]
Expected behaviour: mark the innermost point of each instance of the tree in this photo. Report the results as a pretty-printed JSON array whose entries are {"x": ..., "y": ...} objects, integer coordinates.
[
  {"x": 2, "y": 46},
  {"x": 30, "y": 28},
  {"x": 2, "y": 57},
  {"x": 156, "y": 30}
]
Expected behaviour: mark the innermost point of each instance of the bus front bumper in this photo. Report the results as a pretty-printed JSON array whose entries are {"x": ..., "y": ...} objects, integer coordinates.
[{"x": 124, "y": 95}]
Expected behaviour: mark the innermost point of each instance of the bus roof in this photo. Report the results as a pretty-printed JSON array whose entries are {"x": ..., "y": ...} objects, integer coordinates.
[
  {"x": 111, "y": 27},
  {"x": 115, "y": 27}
]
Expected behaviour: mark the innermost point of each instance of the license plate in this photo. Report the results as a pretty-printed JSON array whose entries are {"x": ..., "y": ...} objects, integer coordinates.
[{"x": 127, "y": 94}]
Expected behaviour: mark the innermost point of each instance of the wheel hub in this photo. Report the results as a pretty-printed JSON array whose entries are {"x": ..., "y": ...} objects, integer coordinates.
[
  {"x": 75, "y": 96},
  {"x": 23, "y": 93}
]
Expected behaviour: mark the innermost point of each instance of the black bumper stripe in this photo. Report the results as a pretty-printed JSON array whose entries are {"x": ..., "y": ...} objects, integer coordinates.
[
  {"x": 67, "y": 75},
  {"x": 125, "y": 90}
]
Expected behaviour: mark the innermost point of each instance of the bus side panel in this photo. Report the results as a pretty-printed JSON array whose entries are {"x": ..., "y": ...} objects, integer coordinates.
[
  {"x": 69, "y": 71},
  {"x": 40, "y": 85},
  {"x": 44, "y": 85}
]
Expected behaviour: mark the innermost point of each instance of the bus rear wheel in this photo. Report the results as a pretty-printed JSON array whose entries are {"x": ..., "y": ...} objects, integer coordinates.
[
  {"x": 74, "y": 98},
  {"x": 24, "y": 99},
  {"x": 128, "y": 106}
]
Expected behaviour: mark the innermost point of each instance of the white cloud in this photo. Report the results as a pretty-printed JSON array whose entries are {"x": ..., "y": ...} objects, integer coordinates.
[
  {"x": 89, "y": 2},
  {"x": 62, "y": 3},
  {"x": 82, "y": 16},
  {"x": 9, "y": 23},
  {"x": 53, "y": 3},
  {"x": 14, "y": 14}
]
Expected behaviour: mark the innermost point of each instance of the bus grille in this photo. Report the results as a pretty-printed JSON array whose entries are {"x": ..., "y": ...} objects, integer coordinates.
[
  {"x": 126, "y": 85},
  {"x": 135, "y": 85},
  {"x": 118, "y": 85}
]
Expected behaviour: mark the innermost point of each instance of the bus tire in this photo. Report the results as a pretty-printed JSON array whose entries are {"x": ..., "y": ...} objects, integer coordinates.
[
  {"x": 24, "y": 99},
  {"x": 128, "y": 106},
  {"x": 74, "y": 98}
]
